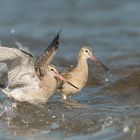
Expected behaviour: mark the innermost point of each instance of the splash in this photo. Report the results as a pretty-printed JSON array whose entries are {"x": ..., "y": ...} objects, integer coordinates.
[
  {"x": 8, "y": 109},
  {"x": 24, "y": 48}
]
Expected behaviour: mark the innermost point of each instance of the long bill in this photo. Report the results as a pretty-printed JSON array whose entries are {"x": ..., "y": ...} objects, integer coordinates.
[
  {"x": 99, "y": 62},
  {"x": 65, "y": 80}
]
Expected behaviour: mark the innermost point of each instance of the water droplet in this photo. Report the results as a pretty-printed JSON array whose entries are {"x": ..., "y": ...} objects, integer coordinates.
[
  {"x": 13, "y": 31},
  {"x": 106, "y": 80},
  {"x": 53, "y": 117},
  {"x": 71, "y": 66},
  {"x": 125, "y": 129}
]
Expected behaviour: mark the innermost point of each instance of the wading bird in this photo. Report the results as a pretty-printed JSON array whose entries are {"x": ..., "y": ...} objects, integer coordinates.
[
  {"x": 78, "y": 76},
  {"x": 30, "y": 80}
]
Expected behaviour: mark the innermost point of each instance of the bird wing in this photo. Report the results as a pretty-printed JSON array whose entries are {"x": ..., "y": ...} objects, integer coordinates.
[
  {"x": 20, "y": 65},
  {"x": 47, "y": 56},
  {"x": 66, "y": 75}
]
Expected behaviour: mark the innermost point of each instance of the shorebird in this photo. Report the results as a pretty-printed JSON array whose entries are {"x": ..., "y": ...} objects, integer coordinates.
[
  {"x": 78, "y": 76},
  {"x": 29, "y": 81}
]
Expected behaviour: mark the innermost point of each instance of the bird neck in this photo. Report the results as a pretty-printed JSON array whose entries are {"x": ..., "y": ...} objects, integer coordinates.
[
  {"x": 81, "y": 72},
  {"x": 82, "y": 63}
]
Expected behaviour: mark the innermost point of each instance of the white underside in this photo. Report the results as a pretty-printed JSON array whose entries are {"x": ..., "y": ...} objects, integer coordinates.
[{"x": 33, "y": 95}]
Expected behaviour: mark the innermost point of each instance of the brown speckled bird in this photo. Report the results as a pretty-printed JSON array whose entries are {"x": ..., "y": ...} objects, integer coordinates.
[
  {"x": 78, "y": 76},
  {"x": 30, "y": 80}
]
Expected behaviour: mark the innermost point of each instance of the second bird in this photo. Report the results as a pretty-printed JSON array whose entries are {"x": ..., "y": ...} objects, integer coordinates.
[{"x": 78, "y": 76}]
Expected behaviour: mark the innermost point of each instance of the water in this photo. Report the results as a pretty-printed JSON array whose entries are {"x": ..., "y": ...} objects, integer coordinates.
[{"x": 109, "y": 105}]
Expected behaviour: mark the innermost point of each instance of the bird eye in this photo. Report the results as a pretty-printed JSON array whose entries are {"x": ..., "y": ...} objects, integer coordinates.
[
  {"x": 86, "y": 50},
  {"x": 52, "y": 70}
]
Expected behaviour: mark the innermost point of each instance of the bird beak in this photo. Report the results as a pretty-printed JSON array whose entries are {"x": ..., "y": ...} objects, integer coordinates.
[
  {"x": 65, "y": 80},
  {"x": 98, "y": 62}
]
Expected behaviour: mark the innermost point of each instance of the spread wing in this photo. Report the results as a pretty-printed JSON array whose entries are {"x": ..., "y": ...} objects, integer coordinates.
[
  {"x": 47, "y": 56},
  {"x": 20, "y": 65}
]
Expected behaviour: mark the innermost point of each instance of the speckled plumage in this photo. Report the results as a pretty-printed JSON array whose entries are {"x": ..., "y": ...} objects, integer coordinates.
[
  {"x": 25, "y": 84},
  {"x": 78, "y": 75}
]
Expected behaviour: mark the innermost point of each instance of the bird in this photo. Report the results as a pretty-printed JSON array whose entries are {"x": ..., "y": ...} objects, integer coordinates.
[
  {"x": 29, "y": 81},
  {"x": 78, "y": 76}
]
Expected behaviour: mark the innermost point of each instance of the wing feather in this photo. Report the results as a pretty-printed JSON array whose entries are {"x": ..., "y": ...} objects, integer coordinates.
[
  {"x": 46, "y": 58},
  {"x": 20, "y": 64}
]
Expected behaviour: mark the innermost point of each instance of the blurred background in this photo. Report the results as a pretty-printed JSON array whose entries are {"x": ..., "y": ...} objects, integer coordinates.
[{"x": 112, "y": 29}]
